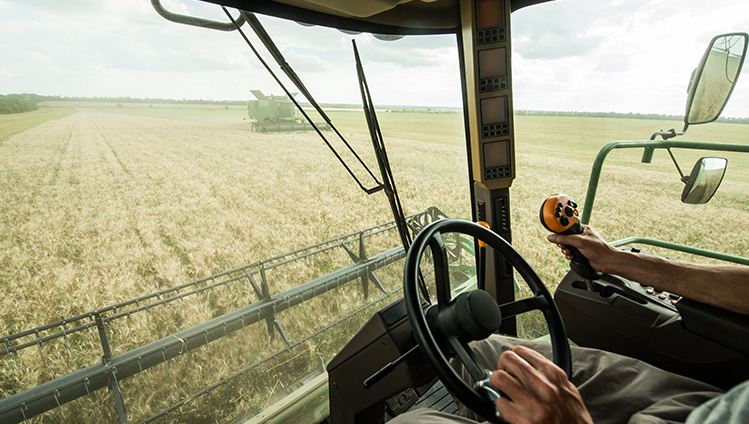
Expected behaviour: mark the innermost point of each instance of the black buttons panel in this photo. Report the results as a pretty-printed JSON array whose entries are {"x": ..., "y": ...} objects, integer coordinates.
[
  {"x": 487, "y": 85},
  {"x": 495, "y": 130},
  {"x": 497, "y": 172},
  {"x": 491, "y": 35}
]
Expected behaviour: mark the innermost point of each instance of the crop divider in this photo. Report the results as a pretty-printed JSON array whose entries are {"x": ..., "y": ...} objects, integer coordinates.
[
  {"x": 106, "y": 358},
  {"x": 363, "y": 258}
]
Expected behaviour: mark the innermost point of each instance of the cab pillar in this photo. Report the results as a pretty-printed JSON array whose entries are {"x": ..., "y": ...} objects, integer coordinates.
[{"x": 486, "y": 64}]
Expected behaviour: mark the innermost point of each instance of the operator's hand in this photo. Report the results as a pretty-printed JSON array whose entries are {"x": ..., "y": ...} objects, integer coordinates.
[
  {"x": 538, "y": 390},
  {"x": 599, "y": 253}
]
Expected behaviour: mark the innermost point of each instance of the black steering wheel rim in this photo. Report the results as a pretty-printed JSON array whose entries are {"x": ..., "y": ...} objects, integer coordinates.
[{"x": 542, "y": 300}]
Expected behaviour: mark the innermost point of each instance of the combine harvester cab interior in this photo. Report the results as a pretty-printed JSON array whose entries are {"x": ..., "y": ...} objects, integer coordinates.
[{"x": 419, "y": 300}]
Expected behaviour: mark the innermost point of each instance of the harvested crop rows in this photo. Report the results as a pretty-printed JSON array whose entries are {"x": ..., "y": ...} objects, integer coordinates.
[
  {"x": 107, "y": 204},
  {"x": 99, "y": 207}
]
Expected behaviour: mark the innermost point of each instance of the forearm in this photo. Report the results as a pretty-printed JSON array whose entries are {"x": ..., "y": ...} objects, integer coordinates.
[{"x": 723, "y": 286}]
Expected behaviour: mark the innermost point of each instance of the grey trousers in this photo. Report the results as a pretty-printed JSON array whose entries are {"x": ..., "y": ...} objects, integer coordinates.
[{"x": 615, "y": 388}]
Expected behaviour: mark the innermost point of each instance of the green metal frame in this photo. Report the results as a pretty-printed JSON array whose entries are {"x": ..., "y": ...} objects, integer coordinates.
[
  {"x": 681, "y": 248},
  {"x": 649, "y": 147}
]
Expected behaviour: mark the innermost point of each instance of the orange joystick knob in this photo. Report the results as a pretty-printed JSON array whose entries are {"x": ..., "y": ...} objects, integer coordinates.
[
  {"x": 559, "y": 215},
  {"x": 485, "y": 225}
]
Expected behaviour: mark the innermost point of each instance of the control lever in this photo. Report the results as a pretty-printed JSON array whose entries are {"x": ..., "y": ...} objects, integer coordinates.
[
  {"x": 387, "y": 369},
  {"x": 489, "y": 391},
  {"x": 559, "y": 215}
]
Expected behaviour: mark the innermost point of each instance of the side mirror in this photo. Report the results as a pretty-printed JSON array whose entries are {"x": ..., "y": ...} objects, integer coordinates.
[
  {"x": 713, "y": 80},
  {"x": 704, "y": 180}
]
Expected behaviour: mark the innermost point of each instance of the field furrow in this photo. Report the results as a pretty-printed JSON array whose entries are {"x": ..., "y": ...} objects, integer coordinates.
[
  {"x": 103, "y": 206},
  {"x": 108, "y": 204}
]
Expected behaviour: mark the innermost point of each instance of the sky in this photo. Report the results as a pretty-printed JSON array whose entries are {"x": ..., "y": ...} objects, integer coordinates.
[{"x": 569, "y": 55}]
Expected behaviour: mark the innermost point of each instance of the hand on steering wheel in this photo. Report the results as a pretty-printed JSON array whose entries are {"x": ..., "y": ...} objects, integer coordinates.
[{"x": 448, "y": 325}]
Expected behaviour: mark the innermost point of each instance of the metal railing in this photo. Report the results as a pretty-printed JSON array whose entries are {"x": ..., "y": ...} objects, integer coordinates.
[
  {"x": 648, "y": 147},
  {"x": 254, "y": 281},
  {"x": 680, "y": 248}
]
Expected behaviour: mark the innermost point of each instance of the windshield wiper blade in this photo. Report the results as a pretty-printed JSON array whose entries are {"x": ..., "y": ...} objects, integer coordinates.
[{"x": 281, "y": 61}]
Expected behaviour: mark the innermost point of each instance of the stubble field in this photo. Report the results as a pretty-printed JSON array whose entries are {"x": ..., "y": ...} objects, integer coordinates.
[{"x": 101, "y": 204}]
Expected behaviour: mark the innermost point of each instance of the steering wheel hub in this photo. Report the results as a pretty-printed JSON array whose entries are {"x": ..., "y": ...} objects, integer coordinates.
[{"x": 471, "y": 316}]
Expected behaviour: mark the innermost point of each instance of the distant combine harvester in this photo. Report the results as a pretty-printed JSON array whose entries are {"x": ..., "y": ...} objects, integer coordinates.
[{"x": 277, "y": 113}]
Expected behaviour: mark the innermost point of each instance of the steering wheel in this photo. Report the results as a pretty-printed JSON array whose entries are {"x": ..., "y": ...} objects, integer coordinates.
[{"x": 448, "y": 325}]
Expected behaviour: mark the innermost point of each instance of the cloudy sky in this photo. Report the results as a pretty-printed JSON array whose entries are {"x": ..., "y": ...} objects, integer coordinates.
[{"x": 583, "y": 55}]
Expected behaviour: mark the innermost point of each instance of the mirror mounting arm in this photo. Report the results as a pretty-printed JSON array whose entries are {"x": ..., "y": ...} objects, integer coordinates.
[
  {"x": 670, "y": 153},
  {"x": 667, "y": 134}
]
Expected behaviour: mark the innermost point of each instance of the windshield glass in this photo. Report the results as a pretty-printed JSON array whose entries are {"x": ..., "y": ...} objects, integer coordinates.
[{"x": 160, "y": 191}]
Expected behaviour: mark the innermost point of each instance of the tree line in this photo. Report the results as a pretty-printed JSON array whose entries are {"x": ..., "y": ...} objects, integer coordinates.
[
  {"x": 26, "y": 102},
  {"x": 629, "y": 115},
  {"x": 16, "y": 103},
  {"x": 139, "y": 100}
]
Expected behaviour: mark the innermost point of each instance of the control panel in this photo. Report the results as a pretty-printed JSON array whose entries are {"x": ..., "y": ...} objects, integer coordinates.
[
  {"x": 486, "y": 47},
  {"x": 610, "y": 287},
  {"x": 642, "y": 292}
]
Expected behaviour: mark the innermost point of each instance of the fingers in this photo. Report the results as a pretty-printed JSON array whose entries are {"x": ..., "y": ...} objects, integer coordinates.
[
  {"x": 555, "y": 238},
  {"x": 567, "y": 252},
  {"x": 512, "y": 374},
  {"x": 533, "y": 371},
  {"x": 571, "y": 239},
  {"x": 536, "y": 389},
  {"x": 548, "y": 369},
  {"x": 529, "y": 382},
  {"x": 516, "y": 397}
]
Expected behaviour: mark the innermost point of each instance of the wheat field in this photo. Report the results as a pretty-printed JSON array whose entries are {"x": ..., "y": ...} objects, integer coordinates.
[{"x": 101, "y": 204}]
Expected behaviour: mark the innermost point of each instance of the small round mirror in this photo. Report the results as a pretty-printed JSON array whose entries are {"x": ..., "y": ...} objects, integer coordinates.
[{"x": 704, "y": 180}]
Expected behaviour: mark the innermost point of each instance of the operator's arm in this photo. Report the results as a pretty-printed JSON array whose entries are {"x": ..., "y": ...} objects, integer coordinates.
[{"x": 724, "y": 286}]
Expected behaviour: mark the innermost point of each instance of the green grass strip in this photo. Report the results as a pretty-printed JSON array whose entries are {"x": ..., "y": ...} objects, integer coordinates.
[{"x": 16, "y": 123}]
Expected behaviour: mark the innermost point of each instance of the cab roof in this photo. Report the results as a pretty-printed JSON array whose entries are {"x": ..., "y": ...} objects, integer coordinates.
[{"x": 376, "y": 16}]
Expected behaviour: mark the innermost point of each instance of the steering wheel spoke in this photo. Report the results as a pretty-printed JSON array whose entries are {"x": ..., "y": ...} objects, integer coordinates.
[
  {"x": 441, "y": 270},
  {"x": 521, "y": 306},
  {"x": 465, "y": 354}
]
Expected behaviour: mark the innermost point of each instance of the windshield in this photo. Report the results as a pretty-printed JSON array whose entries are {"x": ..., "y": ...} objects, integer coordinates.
[{"x": 160, "y": 193}]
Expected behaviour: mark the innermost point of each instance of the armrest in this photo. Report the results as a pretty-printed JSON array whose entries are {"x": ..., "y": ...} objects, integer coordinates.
[{"x": 726, "y": 328}]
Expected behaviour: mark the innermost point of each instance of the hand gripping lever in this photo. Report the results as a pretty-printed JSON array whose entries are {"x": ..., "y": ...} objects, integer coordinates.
[{"x": 559, "y": 215}]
